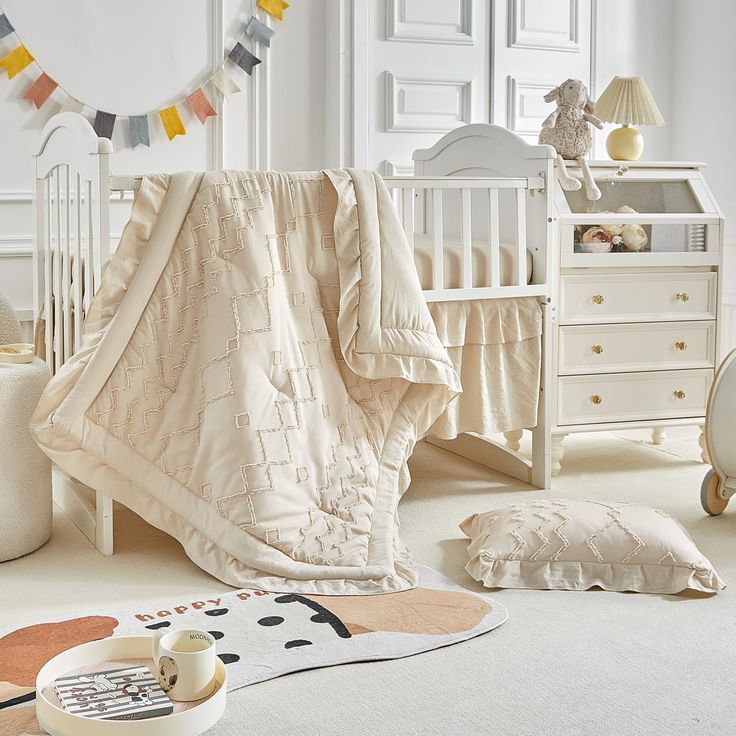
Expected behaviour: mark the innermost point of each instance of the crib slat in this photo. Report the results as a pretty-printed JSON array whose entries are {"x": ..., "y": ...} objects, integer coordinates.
[
  {"x": 78, "y": 266},
  {"x": 67, "y": 263},
  {"x": 466, "y": 236},
  {"x": 58, "y": 295},
  {"x": 438, "y": 258},
  {"x": 521, "y": 236},
  {"x": 47, "y": 271},
  {"x": 407, "y": 215},
  {"x": 89, "y": 260},
  {"x": 494, "y": 237}
]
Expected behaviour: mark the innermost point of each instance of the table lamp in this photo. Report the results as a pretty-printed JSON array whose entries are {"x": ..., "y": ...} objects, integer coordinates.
[{"x": 628, "y": 101}]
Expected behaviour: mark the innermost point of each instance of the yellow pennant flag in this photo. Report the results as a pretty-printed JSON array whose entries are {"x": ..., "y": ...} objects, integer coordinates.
[
  {"x": 274, "y": 7},
  {"x": 16, "y": 61},
  {"x": 172, "y": 122}
]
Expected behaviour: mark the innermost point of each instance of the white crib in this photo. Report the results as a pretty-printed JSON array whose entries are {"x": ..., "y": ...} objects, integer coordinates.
[{"x": 464, "y": 185}]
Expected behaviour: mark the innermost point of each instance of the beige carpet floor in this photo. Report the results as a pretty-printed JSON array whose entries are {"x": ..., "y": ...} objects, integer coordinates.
[{"x": 567, "y": 663}]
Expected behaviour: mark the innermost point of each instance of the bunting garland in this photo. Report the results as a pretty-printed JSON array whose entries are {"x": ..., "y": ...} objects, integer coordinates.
[{"x": 224, "y": 80}]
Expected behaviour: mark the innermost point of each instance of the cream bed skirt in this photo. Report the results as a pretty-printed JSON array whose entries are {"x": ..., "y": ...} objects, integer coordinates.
[{"x": 496, "y": 347}]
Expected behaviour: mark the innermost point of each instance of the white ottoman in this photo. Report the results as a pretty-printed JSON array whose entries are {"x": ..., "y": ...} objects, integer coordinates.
[{"x": 25, "y": 472}]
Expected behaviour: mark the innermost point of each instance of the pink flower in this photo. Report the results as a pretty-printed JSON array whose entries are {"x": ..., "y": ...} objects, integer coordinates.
[{"x": 596, "y": 240}]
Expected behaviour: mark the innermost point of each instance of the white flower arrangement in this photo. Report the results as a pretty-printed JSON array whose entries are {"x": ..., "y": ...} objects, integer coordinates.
[{"x": 617, "y": 238}]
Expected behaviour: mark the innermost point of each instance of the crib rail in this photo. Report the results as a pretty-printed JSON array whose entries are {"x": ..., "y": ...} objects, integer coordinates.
[
  {"x": 72, "y": 231},
  {"x": 423, "y": 211}
]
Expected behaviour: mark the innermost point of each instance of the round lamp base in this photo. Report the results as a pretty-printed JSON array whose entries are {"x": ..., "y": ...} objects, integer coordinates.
[{"x": 625, "y": 144}]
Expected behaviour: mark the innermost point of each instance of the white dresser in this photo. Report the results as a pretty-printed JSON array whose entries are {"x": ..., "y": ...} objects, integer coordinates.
[{"x": 637, "y": 332}]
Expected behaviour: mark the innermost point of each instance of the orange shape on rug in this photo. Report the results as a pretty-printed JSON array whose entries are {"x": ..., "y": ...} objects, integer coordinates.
[
  {"x": 23, "y": 652},
  {"x": 416, "y": 611}
]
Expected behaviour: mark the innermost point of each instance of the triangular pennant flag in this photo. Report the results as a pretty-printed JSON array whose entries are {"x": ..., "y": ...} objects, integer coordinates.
[
  {"x": 16, "y": 61},
  {"x": 274, "y": 7},
  {"x": 258, "y": 31},
  {"x": 5, "y": 28},
  {"x": 201, "y": 105},
  {"x": 172, "y": 122},
  {"x": 225, "y": 83},
  {"x": 104, "y": 124},
  {"x": 72, "y": 105},
  {"x": 243, "y": 58},
  {"x": 138, "y": 130},
  {"x": 40, "y": 90}
]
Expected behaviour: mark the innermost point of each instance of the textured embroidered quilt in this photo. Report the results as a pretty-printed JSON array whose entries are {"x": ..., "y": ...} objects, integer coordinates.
[{"x": 255, "y": 370}]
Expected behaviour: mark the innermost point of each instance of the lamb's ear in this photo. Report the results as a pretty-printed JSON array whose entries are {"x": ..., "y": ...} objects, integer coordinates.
[{"x": 552, "y": 95}]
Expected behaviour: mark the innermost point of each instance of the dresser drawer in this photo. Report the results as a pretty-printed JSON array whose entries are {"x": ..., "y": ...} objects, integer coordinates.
[
  {"x": 630, "y": 397},
  {"x": 636, "y": 347},
  {"x": 638, "y": 297}
]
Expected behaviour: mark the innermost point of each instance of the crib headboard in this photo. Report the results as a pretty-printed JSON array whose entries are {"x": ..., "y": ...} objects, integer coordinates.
[
  {"x": 481, "y": 149},
  {"x": 72, "y": 229}
]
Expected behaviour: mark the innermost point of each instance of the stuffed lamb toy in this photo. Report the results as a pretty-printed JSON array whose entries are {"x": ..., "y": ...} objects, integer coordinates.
[{"x": 567, "y": 130}]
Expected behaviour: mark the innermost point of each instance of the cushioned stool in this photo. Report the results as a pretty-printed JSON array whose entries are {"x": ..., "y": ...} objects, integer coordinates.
[{"x": 25, "y": 472}]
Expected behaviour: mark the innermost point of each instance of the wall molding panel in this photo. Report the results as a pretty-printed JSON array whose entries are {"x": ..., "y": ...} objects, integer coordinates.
[
  {"x": 525, "y": 95},
  {"x": 407, "y": 20},
  {"x": 529, "y": 26},
  {"x": 427, "y": 104}
]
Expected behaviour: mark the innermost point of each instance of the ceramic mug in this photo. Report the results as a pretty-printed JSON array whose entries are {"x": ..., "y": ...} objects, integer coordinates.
[{"x": 185, "y": 663}]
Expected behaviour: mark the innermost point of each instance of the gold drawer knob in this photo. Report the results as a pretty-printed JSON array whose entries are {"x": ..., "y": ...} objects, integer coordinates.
[
  {"x": 598, "y": 299},
  {"x": 682, "y": 296},
  {"x": 597, "y": 349},
  {"x": 681, "y": 345},
  {"x": 595, "y": 399},
  {"x": 679, "y": 394}
]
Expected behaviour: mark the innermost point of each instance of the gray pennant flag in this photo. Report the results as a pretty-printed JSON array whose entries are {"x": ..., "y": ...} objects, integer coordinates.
[
  {"x": 104, "y": 124},
  {"x": 258, "y": 31},
  {"x": 5, "y": 27},
  {"x": 243, "y": 58},
  {"x": 138, "y": 130}
]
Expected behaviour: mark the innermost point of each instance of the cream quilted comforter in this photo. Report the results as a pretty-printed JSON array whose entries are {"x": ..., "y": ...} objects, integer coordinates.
[{"x": 255, "y": 371}]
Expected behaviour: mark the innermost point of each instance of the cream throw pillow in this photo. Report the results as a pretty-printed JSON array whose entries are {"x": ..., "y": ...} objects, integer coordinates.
[{"x": 574, "y": 545}]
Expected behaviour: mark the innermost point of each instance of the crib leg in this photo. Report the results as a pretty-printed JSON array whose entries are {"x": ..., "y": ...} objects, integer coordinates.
[
  {"x": 659, "y": 435},
  {"x": 513, "y": 439},
  {"x": 703, "y": 447},
  {"x": 104, "y": 526},
  {"x": 558, "y": 452}
]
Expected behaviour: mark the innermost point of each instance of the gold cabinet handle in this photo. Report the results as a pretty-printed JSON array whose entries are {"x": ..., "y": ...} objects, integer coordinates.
[
  {"x": 598, "y": 299},
  {"x": 682, "y": 296},
  {"x": 681, "y": 345},
  {"x": 597, "y": 349},
  {"x": 679, "y": 394},
  {"x": 595, "y": 399}
]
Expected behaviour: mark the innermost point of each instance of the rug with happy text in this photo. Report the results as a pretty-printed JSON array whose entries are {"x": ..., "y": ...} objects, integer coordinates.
[{"x": 259, "y": 635}]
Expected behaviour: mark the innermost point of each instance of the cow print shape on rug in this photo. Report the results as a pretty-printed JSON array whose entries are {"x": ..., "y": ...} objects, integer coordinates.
[{"x": 298, "y": 619}]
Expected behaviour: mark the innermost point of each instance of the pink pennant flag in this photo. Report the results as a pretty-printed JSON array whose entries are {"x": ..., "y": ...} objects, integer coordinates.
[
  {"x": 201, "y": 105},
  {"x": 40, "y": 90}
]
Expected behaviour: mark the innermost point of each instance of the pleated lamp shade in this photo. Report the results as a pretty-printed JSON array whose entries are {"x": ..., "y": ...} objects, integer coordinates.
[{"x": 628, "y": 101}]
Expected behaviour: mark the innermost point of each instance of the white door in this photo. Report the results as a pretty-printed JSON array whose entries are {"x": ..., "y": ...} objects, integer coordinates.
[
  {"x": 537, "y": 45},
  {"x": 427, "y": 72}
]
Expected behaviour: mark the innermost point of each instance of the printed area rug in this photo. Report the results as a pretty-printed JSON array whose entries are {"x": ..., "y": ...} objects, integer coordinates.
[{"x": 260, "y": 635}]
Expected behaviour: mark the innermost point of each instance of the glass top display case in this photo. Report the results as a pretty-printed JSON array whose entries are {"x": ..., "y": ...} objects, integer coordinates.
[{"x": 648, "y": 213}]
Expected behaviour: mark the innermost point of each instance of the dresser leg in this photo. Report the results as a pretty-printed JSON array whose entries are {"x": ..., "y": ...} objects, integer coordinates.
[
  {"x": 659, "y": 435},
  {"x": 513, "y": 439},
  {"x": 703, "y": 447},
  {"x": 558, "y": 452}
]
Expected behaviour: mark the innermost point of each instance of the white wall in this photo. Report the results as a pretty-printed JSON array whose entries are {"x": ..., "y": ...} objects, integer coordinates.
[
  {"x": 703, "y": 103},
  {"x": 113, "y": 60},
  {"x": 633, "y": 38},
  {"x": 140, "y": 55}
]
